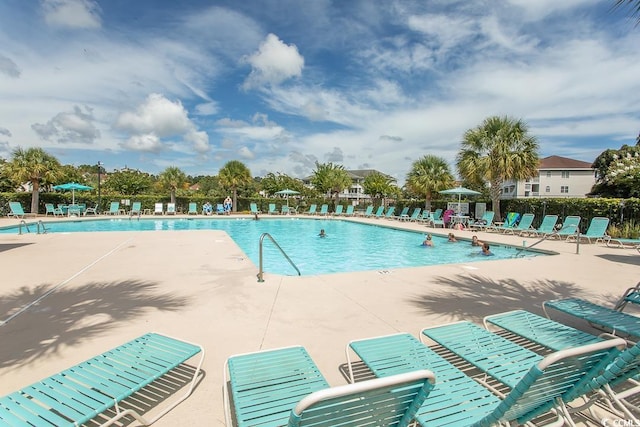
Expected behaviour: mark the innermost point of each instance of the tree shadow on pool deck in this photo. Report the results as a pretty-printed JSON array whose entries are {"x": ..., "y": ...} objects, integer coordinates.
[
  {"x": 71, "y": 315},
  {"x": 472, "y": 297}
]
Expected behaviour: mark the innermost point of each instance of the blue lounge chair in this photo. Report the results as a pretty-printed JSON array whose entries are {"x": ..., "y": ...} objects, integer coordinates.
[
  {"x": 114, "y": 208},
  {"x": 570, "y": 226},
  {"x": 415, "y": 215},
  {"x": 171, "y": 209},
  {"x": 284, "y": 210},
  {"x": 546, "y": 228},
  {"x": 483, "y": 223},
  {"x": 285, "y": 387},
  {"x": 51, "y": 209},
  {"x": 79, "y": 394},
  {"x": 379, "y": 212},
  {"x": 390, "y": 211},
  {"x": 437, "y": 218},
  {"x": 545, "y": 383},
  {"x": 193, "y": 208},
  {"x": 312, "y": 209},
  {"x": 220, "y": 209},
  {"x": 136, "y": 209},
  {"x": 15, "y": 210},
  {"x": 349, "y": 211},
  {"x": 338, "y": 211},
  {"x": 616, "y": 242},
  {"x": 254, "y": 209},
  {"x": 74, "y": 210},
  {"x": 404, "y": 214},
  {"x": 368, "y": 212},
  {"x": 324, "y": 209},
  {"x": 523, "y": 227},
  {"x": 597, "y": 231}
]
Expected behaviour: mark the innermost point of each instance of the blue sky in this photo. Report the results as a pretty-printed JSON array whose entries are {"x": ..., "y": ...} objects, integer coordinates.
[{"x": 278, "y": 85}]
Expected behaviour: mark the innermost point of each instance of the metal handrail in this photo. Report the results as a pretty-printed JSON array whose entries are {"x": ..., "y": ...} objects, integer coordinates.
[
  {"x": 41, "y": 224},
  {"x": 25, "y": 226},
  {"x": 261, "y": 270}
]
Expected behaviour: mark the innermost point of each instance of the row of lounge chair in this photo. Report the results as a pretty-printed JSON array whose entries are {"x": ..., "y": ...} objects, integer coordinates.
[{"x": 531, "y": 369}]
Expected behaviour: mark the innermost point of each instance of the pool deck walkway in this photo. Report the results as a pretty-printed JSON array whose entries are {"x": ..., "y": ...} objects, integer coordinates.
[{"x": 199, "y": 286}]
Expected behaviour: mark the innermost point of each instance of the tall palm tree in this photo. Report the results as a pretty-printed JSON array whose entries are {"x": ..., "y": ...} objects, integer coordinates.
[
  {"x": 634, "y": 5},
  {"x": 235, "y": 174},
  {"x": 171, "y": 179},
  {"x": 497, "y": 150},
  {"x": 378, "y": 186},
  {"x": 36, "y": 166},
  {"x": 330, "y": 178},
  {"x": 429, "y": 175}
]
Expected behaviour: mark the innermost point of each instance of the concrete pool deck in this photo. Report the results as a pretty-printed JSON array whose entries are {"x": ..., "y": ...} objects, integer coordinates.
[{"x": 200, "y": 287}]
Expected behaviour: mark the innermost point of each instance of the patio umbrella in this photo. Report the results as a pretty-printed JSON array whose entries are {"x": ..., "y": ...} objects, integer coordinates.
[
  {"x": 73, "y": 186},
  {"x": 287, "y": 193},
  {"x": 460, "y": 191}
]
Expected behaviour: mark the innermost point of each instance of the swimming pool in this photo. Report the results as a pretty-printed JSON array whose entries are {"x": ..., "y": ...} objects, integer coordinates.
[{"x": 349, "y": 246}]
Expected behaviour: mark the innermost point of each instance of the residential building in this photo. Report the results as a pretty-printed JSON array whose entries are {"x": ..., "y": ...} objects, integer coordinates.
[
  {"x": 557, "y": 177},
  {"x": 355, "y": 193}
]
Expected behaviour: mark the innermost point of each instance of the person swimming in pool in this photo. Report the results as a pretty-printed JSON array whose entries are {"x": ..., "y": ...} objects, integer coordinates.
[
  {"x": 475, "y": 241},
  {"x": 486, "y": 250},
  {"x": 451, "y": 238},
  {"x": 322, "y": 233},
  {"x": 428, "y": 241}
]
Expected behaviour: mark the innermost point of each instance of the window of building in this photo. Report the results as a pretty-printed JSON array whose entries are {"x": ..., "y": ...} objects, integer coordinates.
[
  {"x": 565, "y": 174},
  {"x": 564, "y": 189},
  {"x": 548, "y": 174},
  {"x": 547, "y": 189}
]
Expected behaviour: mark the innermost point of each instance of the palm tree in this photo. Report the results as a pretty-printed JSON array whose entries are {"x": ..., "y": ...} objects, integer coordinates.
[
  {"x": 171, "y": 179},
  {"x": 429, "y": 175},
  {"x": 234, "y": 174},
  {"x": 497, "y": 150},
  {"x": 634, "y": 5},
  {"x": 36, "y": 166},
  {"x": 378, "y": 185},
  {"x": 330, "y": 178}
]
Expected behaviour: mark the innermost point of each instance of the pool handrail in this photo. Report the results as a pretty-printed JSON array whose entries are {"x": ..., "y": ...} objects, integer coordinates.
[{"x": 261, "y": 270}]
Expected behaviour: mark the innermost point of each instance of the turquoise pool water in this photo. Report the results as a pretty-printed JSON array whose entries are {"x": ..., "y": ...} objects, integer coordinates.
[{"x": 349, "y": 246}]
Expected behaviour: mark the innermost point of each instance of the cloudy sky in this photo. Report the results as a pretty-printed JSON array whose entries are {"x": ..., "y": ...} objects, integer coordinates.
[{"x": 281, "y": 84}]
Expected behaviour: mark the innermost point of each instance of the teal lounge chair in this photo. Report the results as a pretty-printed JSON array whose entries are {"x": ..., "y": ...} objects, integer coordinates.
[
  {"x": 616, "y": 242},
  {"x": 272, "y": 209},
  {"x": 349, "y": 211},
  {"x": 597, "y": 231},
  {"x": 415, "y": 215},
  {"x": 367, "y": 212},
  {"x": 220, "y": 208},
  {"x": 136, "y": 209},
  {"x": 74, "y": 210},
  {"x": 437, "y": 220},
  {"x": 171, "y": 209},
  {"x": 15, "y": 210},
  {"x": 254, "y": 209},
  {"x": 404, "y": 214},
  {"x": 312, "y": 209},
  {"x": 483, "y": 223},
  {"x": 338, "y": 211},
  {"x": 284, "y": 209},
  {"x": 324, "y": 209},
  {"x": 114, "y": 208},
  {"x": 284, "y": 387},
  {"x": 523, "y": 227},
  {"x": 547, "y": 226},
  {"x": 51, "y": 209},
  {"x": 510, "y": 222},
  {"x": 379, "y": 212},
  {"x": 91, "y": 392},
  {"x": 570, "y": 226},
  {"x": 390, "y": 211},
  {"x": 543, "y": 383},
  {"x": 193, "y": 208}
]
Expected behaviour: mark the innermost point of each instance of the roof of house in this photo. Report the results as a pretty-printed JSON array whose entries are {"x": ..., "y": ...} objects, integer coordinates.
[{"x": 558, "y": 162}]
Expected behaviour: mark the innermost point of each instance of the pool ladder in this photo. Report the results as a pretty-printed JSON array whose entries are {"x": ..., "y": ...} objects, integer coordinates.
[
  {"x": 545, "y": 237},
  {"x": 39, "y": 225},
  {"x": 261, "y": 271}
]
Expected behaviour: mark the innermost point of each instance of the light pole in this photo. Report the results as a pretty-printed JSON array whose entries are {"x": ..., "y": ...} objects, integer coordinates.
[{"x": 99, "y": 195}]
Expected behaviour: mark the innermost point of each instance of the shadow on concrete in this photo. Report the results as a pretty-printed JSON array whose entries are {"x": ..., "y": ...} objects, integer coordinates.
[
  {"x": 9, "y": 246},
  {"x": 632, "y": 259},
  {"x": 71, "y": 315},
  {"x": 472, "y": 297}
]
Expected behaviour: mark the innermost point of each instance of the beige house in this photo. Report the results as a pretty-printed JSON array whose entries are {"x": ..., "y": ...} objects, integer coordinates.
[
  {"x": 557, "y": 177},
  {"x": 355, "y": 193}
]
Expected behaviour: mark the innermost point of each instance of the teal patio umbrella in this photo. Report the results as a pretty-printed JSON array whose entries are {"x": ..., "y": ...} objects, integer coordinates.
[
  {"x": 73, "y": 186},
  {"x": 460, "y": 191},
  {"x": 287, "y": 192}
]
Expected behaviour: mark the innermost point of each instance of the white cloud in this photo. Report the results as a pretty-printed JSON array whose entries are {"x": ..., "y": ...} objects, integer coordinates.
[
  {"x": 80, "y": 14},
  {"x": 5, "y": 131},
  {"x": 538, "y": 9},
  {"x": 206, "y": 109},
  {"x": 8, "y": 67},
  {"x": 69, "y": 127},
  {"x": 246, "y": 153},
  {"x": 149, "y": 143},
  {"x": 273, "y": 63}
]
